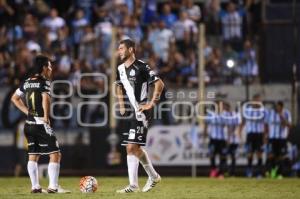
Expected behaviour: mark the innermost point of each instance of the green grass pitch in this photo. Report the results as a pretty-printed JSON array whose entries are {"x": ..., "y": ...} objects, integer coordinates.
[{"x": 169, "y": 188}]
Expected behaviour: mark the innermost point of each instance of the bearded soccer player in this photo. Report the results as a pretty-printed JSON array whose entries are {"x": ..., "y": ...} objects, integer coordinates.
[
  {"x": 133, "y": 80},
  {"x": 40, "y": 136}
]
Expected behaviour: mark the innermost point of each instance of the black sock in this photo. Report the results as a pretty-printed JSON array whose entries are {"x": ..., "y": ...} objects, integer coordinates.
[
  {"x": 213, "y": 161},
  {"x": 249, "y": 162},
  {"x": 259, "y": 166},
  {"x": 232, "y": 163},
  {"x": 222, "y": 164}
]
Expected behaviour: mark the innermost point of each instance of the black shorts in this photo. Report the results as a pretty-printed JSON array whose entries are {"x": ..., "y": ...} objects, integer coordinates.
[
  {"x": 136, "y": 132},
  {"x": 232, "y": 148},
  {"x": 277, "y": 147},
  {"x": 41, "y": 140},
  {"x": 254, "y": 142},
  {"x": 217, "y": 146}
]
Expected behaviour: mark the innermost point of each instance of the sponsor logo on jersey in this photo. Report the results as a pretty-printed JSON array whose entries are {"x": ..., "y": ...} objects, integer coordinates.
[
  {"x": 132, "y": 73},
  {"x": 31, "y": 85},
  {"x": 152, "y": 73}
]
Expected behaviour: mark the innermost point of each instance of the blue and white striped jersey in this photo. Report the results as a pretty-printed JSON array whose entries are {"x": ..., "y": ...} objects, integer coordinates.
[
  {"x": 232, "y": 121},
  {"x": 216, "y": 126},
  {"x": 255, "y": 119},
  {"x": 276, "y": 129}
]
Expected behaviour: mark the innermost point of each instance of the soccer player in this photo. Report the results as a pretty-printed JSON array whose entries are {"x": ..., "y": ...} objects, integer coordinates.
[
  {"x": 232, "y": 120},
  {"x": 133, "y": 79},
  {"x": 214, "y": 127},
  {"x": 278, "y": 121},
  {"x": 39, "y": 134},
  {"x": 253, "y": 118}
]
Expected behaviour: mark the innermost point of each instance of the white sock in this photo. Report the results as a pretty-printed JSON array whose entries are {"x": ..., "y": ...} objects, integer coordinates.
[
  {"x": 32, "y": 168},
  {"x": 53, "y": 173},
  {"x": 133, "y": 167},
  {"x": 146, "y": 162}
]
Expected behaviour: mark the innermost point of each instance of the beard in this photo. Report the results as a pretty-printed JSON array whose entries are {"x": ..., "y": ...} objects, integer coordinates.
[{"x": 125, "y": 57}]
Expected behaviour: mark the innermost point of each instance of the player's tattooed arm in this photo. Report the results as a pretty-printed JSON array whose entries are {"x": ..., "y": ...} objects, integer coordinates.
[
  {"x": 17, "y": 101},
  {"x": 46, "y": 107},
  {"x": 119, "y": 92},
  {"x": 158, "y": 88}
]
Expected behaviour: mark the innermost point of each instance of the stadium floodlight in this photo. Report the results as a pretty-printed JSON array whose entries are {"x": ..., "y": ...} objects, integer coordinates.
[{"x": 230, "y": 63}]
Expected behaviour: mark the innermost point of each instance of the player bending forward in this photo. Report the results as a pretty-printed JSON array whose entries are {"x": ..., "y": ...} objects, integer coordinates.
[
  {"x": 133, "y": 78},
  {"x": 39, "y": 134}
]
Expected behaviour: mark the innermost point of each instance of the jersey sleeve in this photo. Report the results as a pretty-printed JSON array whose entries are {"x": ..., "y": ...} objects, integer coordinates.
[
  {"x": 150, "y": 75},
  {"x": 21, "y": 91},
  {"x": 266, "y": 115},
  {"x": 288, "y": 116},
  {"x": 46, "y": 87}
]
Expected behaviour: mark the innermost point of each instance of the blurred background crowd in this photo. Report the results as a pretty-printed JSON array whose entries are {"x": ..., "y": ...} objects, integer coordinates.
[{"x": 77, "y": 35}]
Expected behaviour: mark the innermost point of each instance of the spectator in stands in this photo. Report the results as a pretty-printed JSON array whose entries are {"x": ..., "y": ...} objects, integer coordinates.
[
  {"x": 193, "y": 10},
  {"x": 53, "y": 22},
  {"x": 30, "y": 26},
  {"x": 78, "y": 25},
  {"x": 185, "y": 31},
  {"x": 103, "y": 30},
  {"x": 167, "y": 16},
  {"x": 161, "y": 38},
  {"x": 213, "y": 66},
  {"x": 232, "y": 22},
  {"x": 132, "y": 29},
  {"x": 248, "y": 63},
  {"x": 212, "y": 21},
  {"x": 146, "y": 11},
  {"x": 88, "y": 48}
]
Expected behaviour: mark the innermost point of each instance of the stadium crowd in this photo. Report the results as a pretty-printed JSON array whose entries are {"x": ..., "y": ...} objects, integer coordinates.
[{"x": 77, "y": 35}]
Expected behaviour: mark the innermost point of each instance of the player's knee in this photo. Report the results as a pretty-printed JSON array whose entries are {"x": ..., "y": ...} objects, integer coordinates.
[
  {"x": 55, "y": 157},
  {"x": 132, "y": 149},
  {"x": 34, "y": 158}
]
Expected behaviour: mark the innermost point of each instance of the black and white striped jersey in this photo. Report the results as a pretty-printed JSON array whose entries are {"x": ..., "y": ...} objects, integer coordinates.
[
  {"x": 32, "y": 88},
  {"x": 135, "y": 80}
]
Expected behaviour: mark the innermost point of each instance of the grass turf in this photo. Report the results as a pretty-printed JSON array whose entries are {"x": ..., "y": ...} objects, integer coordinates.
[{"x": 169, "y": 188}]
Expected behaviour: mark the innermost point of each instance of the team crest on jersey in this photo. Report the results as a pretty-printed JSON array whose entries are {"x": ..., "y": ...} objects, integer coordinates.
[{"x": 132, "y": 73}]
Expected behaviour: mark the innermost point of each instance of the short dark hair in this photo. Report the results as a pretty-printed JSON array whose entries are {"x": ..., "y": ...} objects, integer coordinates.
[
  {"x": 128, "y": 43},
  {"x": 280, "y": 103},
  {"x": 39, "y": 63},
  {"x": 255, "y": 96}
]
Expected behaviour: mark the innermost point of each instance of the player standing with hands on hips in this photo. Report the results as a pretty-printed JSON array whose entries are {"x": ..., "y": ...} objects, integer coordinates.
[
  {"x": 37, "y": 129},
  {"x": 133, "y": 79}
]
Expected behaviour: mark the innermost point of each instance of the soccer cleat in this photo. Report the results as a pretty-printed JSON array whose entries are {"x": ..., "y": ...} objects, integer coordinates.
[
  {"x": 129, "y": 189},
  {"x": 58, "y": 190},
  {"x": 213, "y": 173},
  {"x": 36, "y": 190},
  {"x": 61, "y": 190},
  {"x": 49, "y": 190},
  {"x": 274, "y": 172},
  {"x": 249, "y": 173},
  {"x": 151, "y": 183}
]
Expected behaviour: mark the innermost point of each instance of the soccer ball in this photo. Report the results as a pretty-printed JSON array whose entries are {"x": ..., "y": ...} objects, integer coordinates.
[{"x": 88, "y": 184}]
